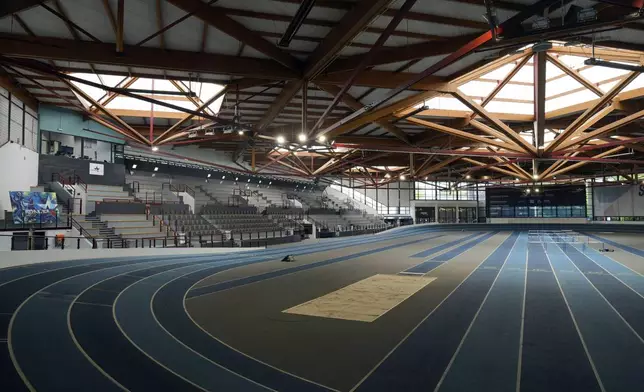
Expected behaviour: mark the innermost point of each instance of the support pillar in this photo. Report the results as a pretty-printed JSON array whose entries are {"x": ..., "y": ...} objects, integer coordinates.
[{"x": 539, "y": 107}]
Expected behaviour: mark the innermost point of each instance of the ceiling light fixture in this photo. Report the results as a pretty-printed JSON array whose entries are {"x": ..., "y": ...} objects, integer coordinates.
[
  {"x": 321, "y": 138},
  {"x": 156, "y": 168},
  {"x": 134, "y": 166},
  {"x": 155, "y": 148},
  {"x": 609, "y": 64},
  {"x": 280, "y": 139},
  {"x": 302, "y": 137}
]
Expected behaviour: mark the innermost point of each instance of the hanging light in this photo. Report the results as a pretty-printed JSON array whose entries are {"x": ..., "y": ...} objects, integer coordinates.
[
  {"x": 281, "y": 139},
  {"x": 155, "y": 148},
  {"x": 321, "y": 138},
  {"x": 302, "y": 137}
]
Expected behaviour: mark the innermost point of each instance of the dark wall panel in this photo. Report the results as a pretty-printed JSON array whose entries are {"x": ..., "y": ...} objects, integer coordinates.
[{"x": 49, "y": 164}]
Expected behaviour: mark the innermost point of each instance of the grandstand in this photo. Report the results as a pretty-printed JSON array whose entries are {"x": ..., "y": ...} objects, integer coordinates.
[{"x": 322, "y": 196}]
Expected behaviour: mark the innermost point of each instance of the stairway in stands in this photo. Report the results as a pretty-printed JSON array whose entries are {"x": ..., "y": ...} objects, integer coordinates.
[{"x": 104, "y": 232}]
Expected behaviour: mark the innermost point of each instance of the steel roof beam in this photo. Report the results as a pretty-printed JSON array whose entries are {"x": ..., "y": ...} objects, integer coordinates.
[{"x": 219, "y": 20}]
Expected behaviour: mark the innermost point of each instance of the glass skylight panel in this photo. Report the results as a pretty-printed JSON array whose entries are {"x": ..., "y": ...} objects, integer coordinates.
[
  {"x": 635, "y": 84},
  {"x": 93, "y": 92},
  {"x": 552, "y": 70},
  {"x": 525, "y": 74},
  {"x": 500, "y": 73},
  {"x": 598, "y": 74},
  {"x": 510, "y": 107},
  {"x": 570, "y": 100},
  {"x": 573, "y": 62},
  {"x": 561, "y": 85},
  {"x": 513, "y": 91},
  {"x": 605, "y": 87},
  {"x": 446, "y": 103},
  {"x": 477, "y": 88}
]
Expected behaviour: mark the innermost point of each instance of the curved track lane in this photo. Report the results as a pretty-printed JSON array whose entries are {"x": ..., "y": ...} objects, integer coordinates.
[{"x": 63, "y": 331}]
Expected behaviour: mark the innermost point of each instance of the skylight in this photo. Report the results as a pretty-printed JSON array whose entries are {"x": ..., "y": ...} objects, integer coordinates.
[{"x": 188, "y": 95}]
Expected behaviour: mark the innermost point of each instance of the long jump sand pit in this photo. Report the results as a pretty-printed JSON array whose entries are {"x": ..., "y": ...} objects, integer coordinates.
[{"x": 365, "y": 300}]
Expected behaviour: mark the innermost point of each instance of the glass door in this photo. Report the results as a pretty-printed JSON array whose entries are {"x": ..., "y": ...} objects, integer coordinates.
[
  {"x": 447, "y": 215},
  {"x": 467, "y": 215}
]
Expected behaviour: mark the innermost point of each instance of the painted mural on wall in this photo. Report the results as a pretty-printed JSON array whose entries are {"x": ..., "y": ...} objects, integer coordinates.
[{"x": 33, "y": 207}]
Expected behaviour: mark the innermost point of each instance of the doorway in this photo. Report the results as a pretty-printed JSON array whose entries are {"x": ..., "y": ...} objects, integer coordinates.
[{"x": 447, "y": 215}]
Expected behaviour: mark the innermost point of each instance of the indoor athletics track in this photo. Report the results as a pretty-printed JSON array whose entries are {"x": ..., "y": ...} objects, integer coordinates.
[{"x": 485, "y": 311}]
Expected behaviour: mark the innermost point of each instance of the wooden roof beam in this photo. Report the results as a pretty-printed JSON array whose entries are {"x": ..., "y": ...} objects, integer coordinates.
[
  {"x": 350, "y": 25},
  {"x": 507, "y": 131},
  {"x": 145, "y": 57},
  {"x": 606, "y": 99}
]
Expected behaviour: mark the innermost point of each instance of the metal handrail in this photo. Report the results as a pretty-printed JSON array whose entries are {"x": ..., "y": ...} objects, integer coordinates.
[{"x": 81, "y": 229}]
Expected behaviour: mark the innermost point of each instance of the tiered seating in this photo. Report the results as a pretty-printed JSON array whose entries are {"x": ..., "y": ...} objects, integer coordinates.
[
  {"x": 132, "y": 225},
  {"x": 151, "y": 189},
  {"x": 291, "y": 218},
  {"x": 242, "y": 220},
  {"x": 101, "y": 192},
  {"x": 273, "y": 196},
  {"x": 329, "y": 221},
  {"x": 190, "y": 224},
  {"x": 221, "y": 192},
  {"x": 356, "y": 218}
]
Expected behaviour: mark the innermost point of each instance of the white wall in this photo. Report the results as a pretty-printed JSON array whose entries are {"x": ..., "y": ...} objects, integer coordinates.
[
  {"x": 187, "y": 199},
  {"x": 618, "y": 200},
  {"x": 16, "y": 258},
  {"x": 339, "y": 195},
  {"x": 19, "y": 171}
]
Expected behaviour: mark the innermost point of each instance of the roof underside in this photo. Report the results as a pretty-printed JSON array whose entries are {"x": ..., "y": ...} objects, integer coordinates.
[{"x": 197, "y": 49}]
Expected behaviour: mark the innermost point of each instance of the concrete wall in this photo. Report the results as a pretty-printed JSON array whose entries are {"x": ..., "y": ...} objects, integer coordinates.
[
  {"x": 17, "y": 258},
  {"x": 114, "y": 173},
  {"x": 19, "y": 168}
]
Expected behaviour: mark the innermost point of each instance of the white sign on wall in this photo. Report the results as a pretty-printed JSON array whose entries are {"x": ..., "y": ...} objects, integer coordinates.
[
  {"x": 96, "y": 169},
  {"x": 619, "y": 200}
]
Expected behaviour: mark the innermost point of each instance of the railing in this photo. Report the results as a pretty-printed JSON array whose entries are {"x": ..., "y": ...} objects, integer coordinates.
[
  {"x": 81, "y": 229},
  {"x": 618, "y": 218},
  {"x": 38, "y": 242},
  {"x": 345, "y": 231},
  {"x": 59, "y": 221},
  {"x": 136, "y": 186},
  {"x": 180, "y": 188},
  {"x": 70, "y": 180}
]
